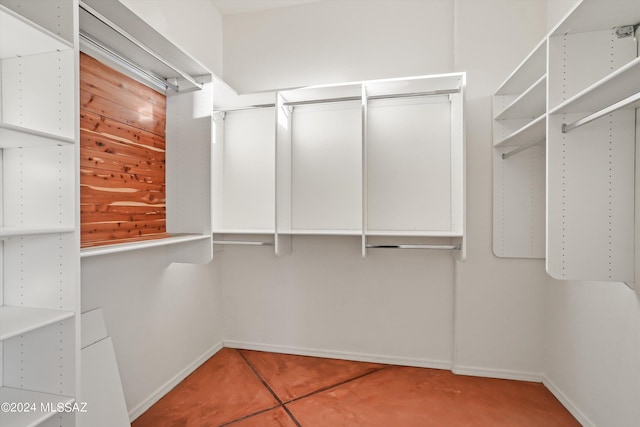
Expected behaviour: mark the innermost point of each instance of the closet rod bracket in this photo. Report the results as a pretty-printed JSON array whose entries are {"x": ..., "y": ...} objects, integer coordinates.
[{"x": 625, "y": 31}]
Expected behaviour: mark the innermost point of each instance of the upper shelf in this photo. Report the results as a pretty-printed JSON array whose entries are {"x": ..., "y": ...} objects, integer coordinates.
[
  {"x": 595, "y": 15},
  {"x": 144, "y": 244},
  {"x": 616, "y": 86},
  {"x": 33, "y": 231},
  {"x": 531, "y": 104},
  {"x": 21, "y": 37},
  {"x": 527, "y": 73},
  {"x": 534, "y": 131}
]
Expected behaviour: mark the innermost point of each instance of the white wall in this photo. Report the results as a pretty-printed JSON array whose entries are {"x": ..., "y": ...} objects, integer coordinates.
[
  {"x": 324, "y": 296},
  {"x": 164, "y": 319},
  {"x": 499, "y": 302},
  {"x": 337, "y": 41}
]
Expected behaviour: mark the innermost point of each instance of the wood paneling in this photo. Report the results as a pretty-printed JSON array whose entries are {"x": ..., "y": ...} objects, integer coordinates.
[{"x": 122, "y": 157}]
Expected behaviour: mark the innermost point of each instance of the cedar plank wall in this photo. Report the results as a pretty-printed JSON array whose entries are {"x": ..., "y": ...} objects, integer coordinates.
[{"x": 122, "y": 157}]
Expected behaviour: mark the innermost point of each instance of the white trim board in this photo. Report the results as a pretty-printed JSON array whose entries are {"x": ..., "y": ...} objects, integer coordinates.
[
  {"x": 567, "y": 403},
  {"x": 166, "y": 387},
  {"x": 343, "y": 355},
  {"x": 503, "y": 374}
]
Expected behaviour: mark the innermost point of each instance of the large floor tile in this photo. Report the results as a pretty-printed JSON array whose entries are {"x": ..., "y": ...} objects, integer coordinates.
[
  {"x": 291, "y": 376},
  {"x": 222, "y": 390},
  {"x": 415, "y": 397},
  {"x": 273, "y": 418}
]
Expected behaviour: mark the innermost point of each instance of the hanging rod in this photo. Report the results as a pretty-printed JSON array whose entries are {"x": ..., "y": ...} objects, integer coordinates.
[
  {"x": 248, "y": 107},
  {"x": 359, "y": 98},
  {"x": 404, "y": 246},
  {"x": 138, "y": 43},
  {"x": 610, "y": 109},
  {"x": 157, "y": 81},
  {"x": 241, "y": 243},
  {"x": 522, "y": 148}
]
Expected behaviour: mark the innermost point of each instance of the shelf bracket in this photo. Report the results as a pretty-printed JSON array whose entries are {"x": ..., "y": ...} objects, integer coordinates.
[{"x": 625, "y": 31}]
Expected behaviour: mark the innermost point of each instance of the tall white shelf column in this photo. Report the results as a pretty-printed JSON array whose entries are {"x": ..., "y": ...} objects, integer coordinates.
[{"x": 40, "y": 298}]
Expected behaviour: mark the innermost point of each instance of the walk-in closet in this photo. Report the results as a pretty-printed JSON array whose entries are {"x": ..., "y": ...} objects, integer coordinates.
[{"x": 313, "y": 213}]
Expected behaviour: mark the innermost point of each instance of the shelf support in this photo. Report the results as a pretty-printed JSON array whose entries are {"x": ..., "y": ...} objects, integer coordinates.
[
  {"x": 566, "y": 128},
  {"x": 522, "y": 148}
]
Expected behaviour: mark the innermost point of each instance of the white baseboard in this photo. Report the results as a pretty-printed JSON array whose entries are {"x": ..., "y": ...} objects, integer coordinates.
[
  {"x": 503, "y": 374},
  {"x": 344, "y": 355},
  {"x": 166, "y": 387},
  {"x": 567, "y": 403}
]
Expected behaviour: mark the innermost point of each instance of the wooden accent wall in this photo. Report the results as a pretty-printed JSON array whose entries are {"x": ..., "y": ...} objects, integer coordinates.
[{"x": 122, "y": 157}]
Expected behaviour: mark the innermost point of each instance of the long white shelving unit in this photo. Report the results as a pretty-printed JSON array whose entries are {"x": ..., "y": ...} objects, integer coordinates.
[
  {"x": 40, "y": 298},
  {"x": 381, "y": 160},
  {"x": 589, "y": 123}
]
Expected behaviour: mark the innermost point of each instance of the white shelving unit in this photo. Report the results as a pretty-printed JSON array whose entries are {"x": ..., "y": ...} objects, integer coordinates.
[
  {"x": 519, "y": 107},
  {"x": 589, "y": 124},
  {"x": 111, "y": 27},
  {"x": 590, "y": 169},
  {"x": 334, "y": 166},
  {"x": 40, "y": 298}
]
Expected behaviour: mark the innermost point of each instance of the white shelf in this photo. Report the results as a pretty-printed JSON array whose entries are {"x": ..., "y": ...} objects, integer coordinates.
[
  {"x": 594, "y": 15},
  {"x": 21, "y": 37},
  {"x": 532, "y": 102},
  {"x": 133, "y": 246},
  {"x": 16, "y": 321},
  {"x": 529, "y": 71},
  {"x": 12, "y": 136},
  {"x": 534, "y": 131},
  {"x": 243, "y": 231},
  {"x": 616, "y": 86},
  {"x": 413, "y": 233},
  {"x": 322, "y": 232},
  {"x": 33, "y": 231},
  {"x": 29, "y": 419}
]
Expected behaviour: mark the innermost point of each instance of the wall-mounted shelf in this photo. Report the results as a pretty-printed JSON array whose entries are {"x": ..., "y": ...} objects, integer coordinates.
[
  {"x": 12, "y": 136},
  {"x": 145, "y": 244},
  {"x": 21, "y": 37},
  {"x": 20, "y": 320},
  {"x": 612, "y": 88},
  {"x": 33, "y": 231},
  {"x": 531, "y": 69},
  {"x": 532, "y": 132},
  {"x": 38, "y": 400},
  {"x": 530, "y": 104}
]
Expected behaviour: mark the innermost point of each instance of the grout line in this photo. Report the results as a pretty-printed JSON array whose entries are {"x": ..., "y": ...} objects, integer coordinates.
[
  {"x": 262, "y": 380},
  {"x": 255, "y": 372},
  {"x": 249, "y": 416},
  {"x": 338, "y": 384},
  {"x": 291, "y": 416}
]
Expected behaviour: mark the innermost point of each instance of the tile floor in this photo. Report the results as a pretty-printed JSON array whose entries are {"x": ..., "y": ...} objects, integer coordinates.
[{"x": 241, "y": 388}]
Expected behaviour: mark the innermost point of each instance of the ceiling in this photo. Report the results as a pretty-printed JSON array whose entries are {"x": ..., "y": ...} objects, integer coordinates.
[{"x": 232, "y": 7}]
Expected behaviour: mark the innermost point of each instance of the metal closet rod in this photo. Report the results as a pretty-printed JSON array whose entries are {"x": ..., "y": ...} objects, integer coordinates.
[
  {"x": 242, "y": 243},
  {"x": 522, "y": 148},
  {"x": 407, "y": 246},
  {"x": 566, "y": 128},
  {"x": 359, "y": 97},
  {"x": 345, "y": 99},
  {"x": 137, "y": 42},
  {"x": 112, "y": 55}
]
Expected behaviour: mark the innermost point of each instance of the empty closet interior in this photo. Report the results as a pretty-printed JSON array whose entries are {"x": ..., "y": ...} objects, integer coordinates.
[{"x": 382, "y": 181}]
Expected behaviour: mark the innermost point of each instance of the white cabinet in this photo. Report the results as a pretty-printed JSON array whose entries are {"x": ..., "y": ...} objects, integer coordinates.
[
  {"x": 589, "y": 124},
  {"x": 381, "y": 160},
  {"x": 40, "y": 298}
]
